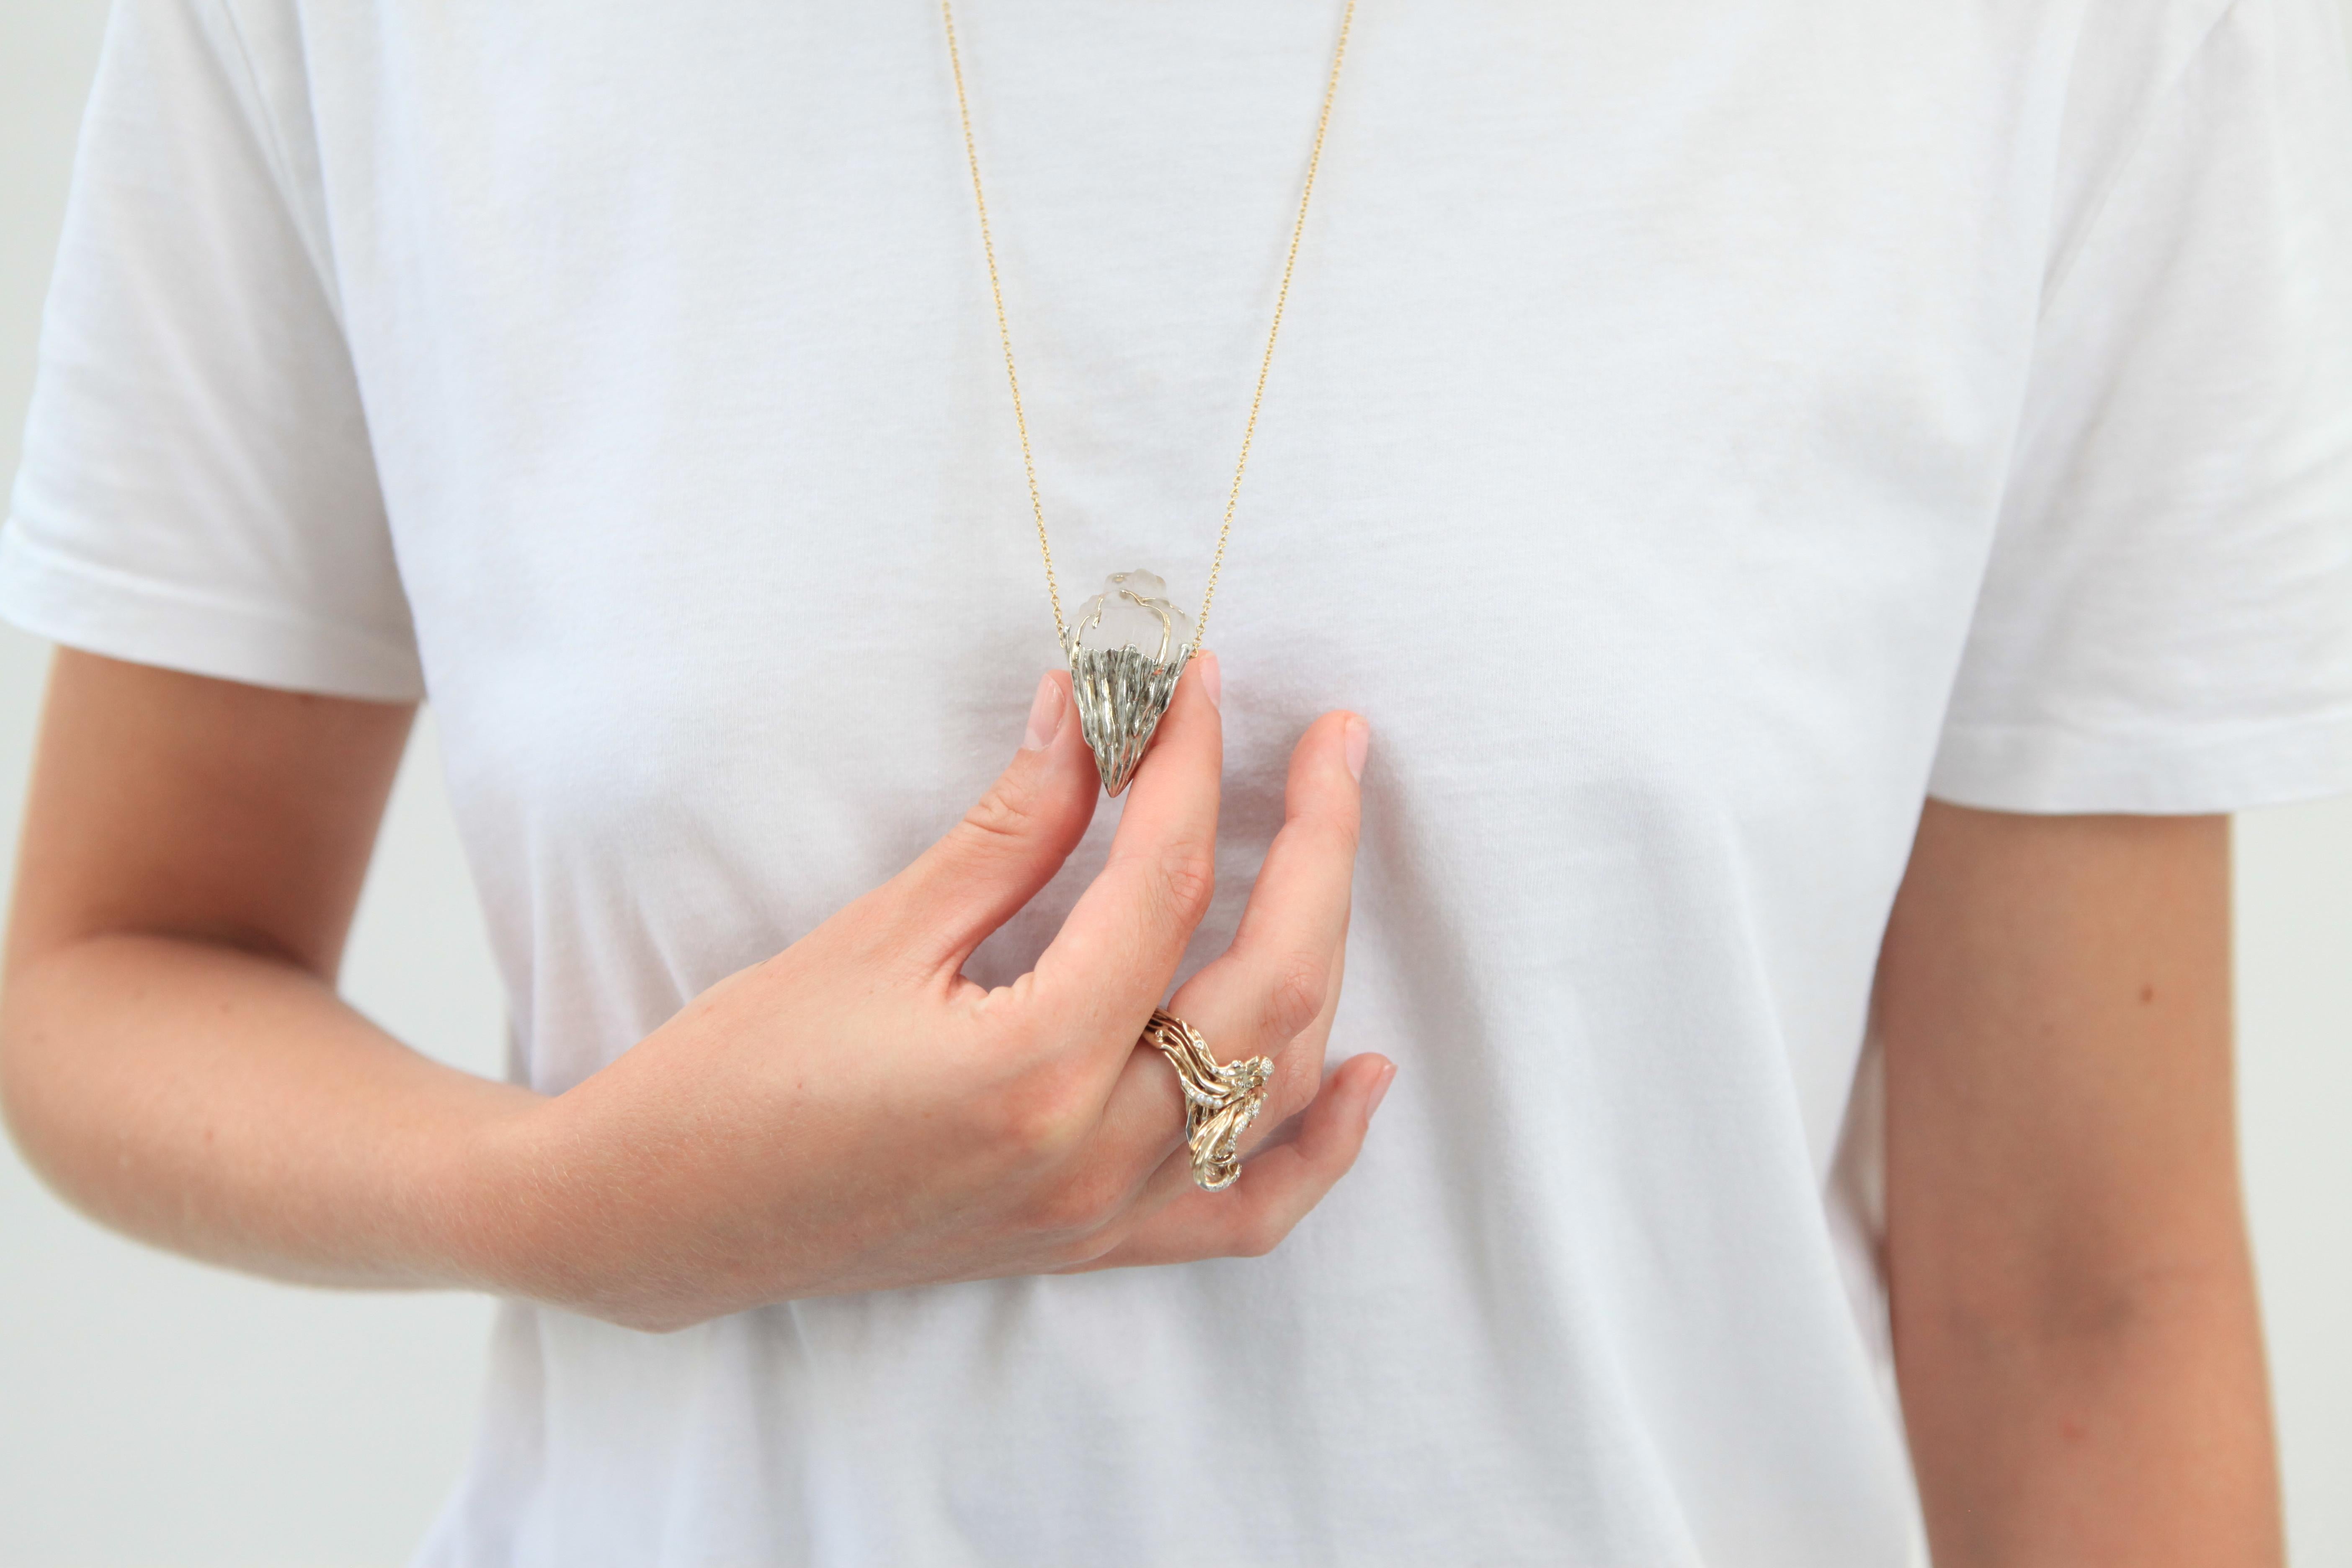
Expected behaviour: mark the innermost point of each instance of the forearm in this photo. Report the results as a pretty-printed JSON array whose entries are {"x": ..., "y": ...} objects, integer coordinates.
[
  {"x": 230, "y": 1106},
  {"x": 853, "y": 1114},
  {"x": 2118, "y": 1421}
]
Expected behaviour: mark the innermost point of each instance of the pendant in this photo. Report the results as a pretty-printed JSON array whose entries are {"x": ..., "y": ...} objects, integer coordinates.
[{"x": 1126, "y": 650}]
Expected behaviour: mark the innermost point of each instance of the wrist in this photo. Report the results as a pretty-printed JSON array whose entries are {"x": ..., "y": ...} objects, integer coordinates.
[
  {"x": 540, "y": 1209},
  {"x": 494, "y": 1208}
]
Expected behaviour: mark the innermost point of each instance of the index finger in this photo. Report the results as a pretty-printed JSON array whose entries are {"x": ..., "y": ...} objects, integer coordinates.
[{"x": 1110, "y": 964}]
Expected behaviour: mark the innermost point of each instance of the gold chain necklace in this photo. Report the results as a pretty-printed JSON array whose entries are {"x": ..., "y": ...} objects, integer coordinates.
[{"x": 1122, "y": 688}]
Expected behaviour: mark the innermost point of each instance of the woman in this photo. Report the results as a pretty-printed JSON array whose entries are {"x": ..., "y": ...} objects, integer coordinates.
[{"x": 1822, "y": 506}]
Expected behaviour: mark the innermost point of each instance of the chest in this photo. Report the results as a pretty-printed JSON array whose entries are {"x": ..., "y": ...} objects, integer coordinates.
[{"x": 1641, "y": 404}]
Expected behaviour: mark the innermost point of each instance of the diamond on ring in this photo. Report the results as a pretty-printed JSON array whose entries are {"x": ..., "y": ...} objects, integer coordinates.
[{"x": 1219, "y": 1102}]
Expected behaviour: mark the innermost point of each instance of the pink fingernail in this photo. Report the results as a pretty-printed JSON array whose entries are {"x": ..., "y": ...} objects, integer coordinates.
[
  {"x": 1047, "y": 715},
  {"x": 1360, "y": 741},
  {"x": 1211, "y": 679},
  {"x": 1380, "y": 1092}
]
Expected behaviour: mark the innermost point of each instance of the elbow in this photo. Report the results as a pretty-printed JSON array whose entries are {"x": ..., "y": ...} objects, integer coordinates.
[
  {"x": 2086, "y": 1308},
  {"x": 34, "y": 1054}
]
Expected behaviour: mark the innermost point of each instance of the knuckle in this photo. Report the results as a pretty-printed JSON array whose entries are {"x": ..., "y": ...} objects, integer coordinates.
[
  {"x": 1001, "y": 816},
  {"x": 1077, "y": 1208},
  {"x": 1033, "y": 1121},
  {"x": 1302, "y": 984},
  {"x": 1326, "y": 835},
  {"x": 1187, "y": 876}
]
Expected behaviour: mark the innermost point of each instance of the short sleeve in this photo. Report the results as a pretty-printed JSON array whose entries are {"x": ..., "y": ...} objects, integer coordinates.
[
  {"x": 197, "y": 489},
  {"x": 2166, "y": 620}
]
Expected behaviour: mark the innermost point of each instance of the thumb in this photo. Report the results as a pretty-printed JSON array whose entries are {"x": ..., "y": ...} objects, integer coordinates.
[{"x": 1011, "y": 843}]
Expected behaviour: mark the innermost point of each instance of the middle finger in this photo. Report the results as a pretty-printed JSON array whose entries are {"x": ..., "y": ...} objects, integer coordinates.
[{"x": 1272, "y": 992}]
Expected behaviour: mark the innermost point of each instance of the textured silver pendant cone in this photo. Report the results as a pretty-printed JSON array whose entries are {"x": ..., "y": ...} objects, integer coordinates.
[
  {"x": 1126, "y": 650},
  {"x": 1121, "y": 693}
]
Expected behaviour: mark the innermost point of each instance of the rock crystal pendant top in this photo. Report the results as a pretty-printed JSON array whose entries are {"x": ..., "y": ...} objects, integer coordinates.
[{"x": 1126, "y": 650}]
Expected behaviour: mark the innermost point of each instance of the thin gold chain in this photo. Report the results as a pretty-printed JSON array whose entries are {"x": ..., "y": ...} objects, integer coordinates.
[
  {"x": 1264, "y": 363},
  {"x": 1005, "y": 332}
]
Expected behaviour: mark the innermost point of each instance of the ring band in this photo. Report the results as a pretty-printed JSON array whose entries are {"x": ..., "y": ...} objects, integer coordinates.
[{"x": 1219, "y": 1102}]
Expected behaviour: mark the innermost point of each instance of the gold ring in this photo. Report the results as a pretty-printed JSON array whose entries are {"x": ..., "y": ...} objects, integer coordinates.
[{"x": 1219, "y": 1102}]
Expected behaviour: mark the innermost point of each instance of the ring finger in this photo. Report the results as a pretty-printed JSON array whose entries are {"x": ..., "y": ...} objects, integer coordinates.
[
  {"x": 1297, "y": 1079},
  {"x": 1272, "y": 992}
]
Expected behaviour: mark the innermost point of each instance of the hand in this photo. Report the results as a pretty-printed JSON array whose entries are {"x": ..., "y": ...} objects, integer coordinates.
[{"x": 854, "y": 1114}]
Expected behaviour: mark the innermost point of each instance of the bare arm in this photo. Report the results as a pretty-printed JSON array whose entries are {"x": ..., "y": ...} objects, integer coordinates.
[
  {"x": 851, "y": 1113},
  {"x": 2074, "y": 1316},
  {"x": 173, "y": 1053}
]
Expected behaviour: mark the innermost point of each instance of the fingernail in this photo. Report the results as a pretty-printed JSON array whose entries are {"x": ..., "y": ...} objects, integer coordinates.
[
  {"x": 1047, "y": 716},
  {"x": 1380, "y": 1092},
  {"x": 1360, "y": 741},
  {"x": 1211, "y": 679}
]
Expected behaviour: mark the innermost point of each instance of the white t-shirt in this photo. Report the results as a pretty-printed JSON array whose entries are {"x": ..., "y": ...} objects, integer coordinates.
[{"x": 1699, "y": 433}]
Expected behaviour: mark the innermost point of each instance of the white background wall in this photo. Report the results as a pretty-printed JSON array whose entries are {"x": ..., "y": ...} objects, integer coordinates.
[{"x": 154, "y": 1411}]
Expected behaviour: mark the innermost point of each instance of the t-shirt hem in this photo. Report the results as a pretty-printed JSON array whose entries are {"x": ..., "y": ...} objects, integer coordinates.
[
  {"x": 104, "y": 610},
  {"x": 2044, "y": 771}
]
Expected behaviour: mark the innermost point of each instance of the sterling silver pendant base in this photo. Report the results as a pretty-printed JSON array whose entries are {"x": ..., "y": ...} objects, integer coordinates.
[
  {"x": 1121, "y": 693},
  {"x": 1126, "y": 650}
]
